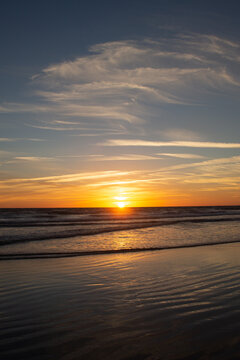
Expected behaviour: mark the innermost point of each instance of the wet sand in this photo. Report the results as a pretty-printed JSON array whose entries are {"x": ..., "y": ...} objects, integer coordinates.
[{"x": 168, "y": 304}]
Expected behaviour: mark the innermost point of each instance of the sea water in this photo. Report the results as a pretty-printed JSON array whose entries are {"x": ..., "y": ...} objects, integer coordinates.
[
  {"x": 84, "y": 231},
  {"x": 180, "y": 304}
]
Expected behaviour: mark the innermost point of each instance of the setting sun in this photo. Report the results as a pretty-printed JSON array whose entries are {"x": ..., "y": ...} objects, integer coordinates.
[
  {"x": 120, "y": 201},
  {"x": 121, "y": 204}
]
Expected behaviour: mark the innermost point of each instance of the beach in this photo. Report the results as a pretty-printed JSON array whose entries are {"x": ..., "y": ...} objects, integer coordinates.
[
  {"x": 120, "y": 180},
  {"x": 167, "y": 304}
]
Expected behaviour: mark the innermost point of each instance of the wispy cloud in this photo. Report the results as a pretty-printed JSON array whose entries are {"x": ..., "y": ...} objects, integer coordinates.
[
  {"x": 180, "y": 181},
  {"x": 26, "y": 108},
  {"x": 119, "y": 183},
  {"x": 215, "y": 174},
  {"x": 193, "y": 144},
  {"x": 33, "y": 158},
  {"x": 6, "y": 139},
  {"x": 221, "y": 171},
  {"x": 78, "y": 129},
  {"x": 182, "y": 156},
  {"x": 68, "y": 177},
  {"x": 123, "y": 81},
  {"x": 180, "y": 134},
  {"x": 65, "y": 187},
  {"x": 219, "y": 162},
  {"x": 5, "y": 153},
  {"x": 123, "y": 157},
  {"x": 19, "y": 139}
]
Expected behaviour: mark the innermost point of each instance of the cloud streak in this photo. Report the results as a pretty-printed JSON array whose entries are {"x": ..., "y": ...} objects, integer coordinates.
[
  {"x": 123, "y": 157},
  {"x": 193, "y": 144},
  {"x": 182, "y": 156},
  {"x": 19, "y": 139},
  {"x": 67, "y": 178}
]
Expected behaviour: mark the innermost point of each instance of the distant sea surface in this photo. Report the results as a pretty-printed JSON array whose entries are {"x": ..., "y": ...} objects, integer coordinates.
[{"x": 82, "y": 231}]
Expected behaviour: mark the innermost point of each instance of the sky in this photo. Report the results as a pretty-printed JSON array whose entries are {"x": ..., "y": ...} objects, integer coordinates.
[{"x": 131, "y": 102}]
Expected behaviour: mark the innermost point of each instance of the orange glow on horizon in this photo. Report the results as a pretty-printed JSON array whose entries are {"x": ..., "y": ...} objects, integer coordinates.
[{"x": 122, "y": 198}]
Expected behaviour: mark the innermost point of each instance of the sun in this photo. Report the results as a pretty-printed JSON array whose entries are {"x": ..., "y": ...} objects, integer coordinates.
[{"x": 121, "y": 204}]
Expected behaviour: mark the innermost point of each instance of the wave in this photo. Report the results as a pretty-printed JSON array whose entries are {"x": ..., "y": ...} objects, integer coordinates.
[
  {"x": 91, "y": 216},
  {"x": 16, "y": 239},
  {"x": 49, "y": 255}
]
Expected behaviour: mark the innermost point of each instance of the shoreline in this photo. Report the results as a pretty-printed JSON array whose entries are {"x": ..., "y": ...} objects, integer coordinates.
[
  {"x": 26, "y": 256},
  {"x": 169, "y": 305}
]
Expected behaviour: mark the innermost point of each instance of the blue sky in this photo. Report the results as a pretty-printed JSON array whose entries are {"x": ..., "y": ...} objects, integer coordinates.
[{"x": 136, "y": 99}]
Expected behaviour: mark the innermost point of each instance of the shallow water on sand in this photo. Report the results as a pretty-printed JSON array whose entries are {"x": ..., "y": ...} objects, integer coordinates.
[
  {"x": 172, "y": 304},
  {"x": 161, "y": 237},
  {"x": 65, "y": 232}
]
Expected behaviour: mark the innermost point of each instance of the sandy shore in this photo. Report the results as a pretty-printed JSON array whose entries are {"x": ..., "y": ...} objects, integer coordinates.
[{"x": 170, "y": 304}]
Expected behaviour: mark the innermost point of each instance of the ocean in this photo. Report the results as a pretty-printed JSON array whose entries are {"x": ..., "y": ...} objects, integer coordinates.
[
  {"x": 90, "y": 284},
  {"x": 62, "y": 232}
]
